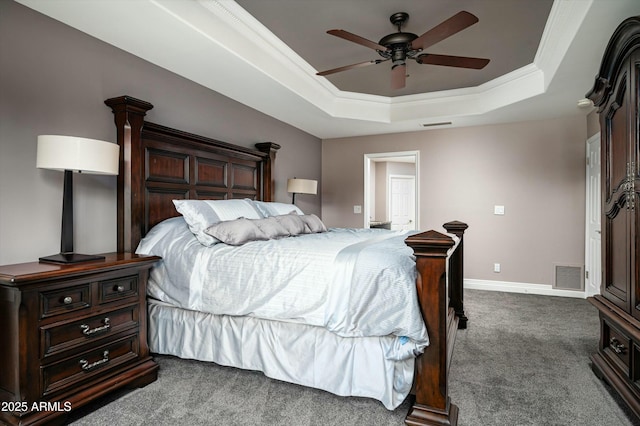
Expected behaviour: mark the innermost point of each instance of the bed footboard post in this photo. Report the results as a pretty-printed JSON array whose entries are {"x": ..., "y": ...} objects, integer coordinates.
[
  {"x": 456, "y": 273},
  {"x": 432, "y": 403}
]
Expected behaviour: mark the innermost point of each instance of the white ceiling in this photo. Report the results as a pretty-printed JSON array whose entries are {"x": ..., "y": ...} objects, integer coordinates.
[{"x": 220, "y": 45}]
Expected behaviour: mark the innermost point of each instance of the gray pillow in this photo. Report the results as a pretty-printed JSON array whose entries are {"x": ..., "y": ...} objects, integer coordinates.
[
  {"x": 313, "y": 223},
  {"x": 236, "y": 232},
  {"x": 292, "y": 223},
  {"x": 200, "y": 214},
  {"x": 271, "y": 228}
]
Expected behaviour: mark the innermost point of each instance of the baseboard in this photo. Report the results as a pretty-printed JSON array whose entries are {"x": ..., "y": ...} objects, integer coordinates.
[{"x": 513, "y": 287}]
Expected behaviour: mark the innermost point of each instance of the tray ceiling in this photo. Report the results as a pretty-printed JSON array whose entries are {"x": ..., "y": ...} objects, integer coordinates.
[{"x": 265, "y": 54}]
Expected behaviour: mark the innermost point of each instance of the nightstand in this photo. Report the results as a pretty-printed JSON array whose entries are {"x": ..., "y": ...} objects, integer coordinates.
[{"x": 70, "y": 334}]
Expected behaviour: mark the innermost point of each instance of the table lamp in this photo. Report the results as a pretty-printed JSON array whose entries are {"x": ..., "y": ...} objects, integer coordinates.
[
  {"x": 72, "y": 154},
  {"x": 301, "y": 186}
]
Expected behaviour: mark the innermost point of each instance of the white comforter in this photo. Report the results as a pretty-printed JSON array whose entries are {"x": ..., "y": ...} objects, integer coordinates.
[{"x": 312, "y": 279}]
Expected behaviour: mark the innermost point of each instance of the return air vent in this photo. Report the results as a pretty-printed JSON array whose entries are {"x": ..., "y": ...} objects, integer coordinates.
[{"x": 568, "y": 277}]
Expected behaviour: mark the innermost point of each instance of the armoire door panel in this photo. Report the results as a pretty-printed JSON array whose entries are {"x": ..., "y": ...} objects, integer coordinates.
[
  {"x": 616, "y": 150},
  {"x": 616, "y": 143},
  {"x": 634, "y": 188},
  {"x": 635, "y": 118},
  {"x": 616, "y": 277}
]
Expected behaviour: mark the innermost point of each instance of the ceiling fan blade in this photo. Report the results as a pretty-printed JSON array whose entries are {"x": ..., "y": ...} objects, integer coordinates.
[
  {"x": 398, "y": 76},
  {"x": 452, "y": 61},
  {"x": 456, "y": 23},
  {"x": 357, "y": 39},
  {"x": 348, "y": 67}
]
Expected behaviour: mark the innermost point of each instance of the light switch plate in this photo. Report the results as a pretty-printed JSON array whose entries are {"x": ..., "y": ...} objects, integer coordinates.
[
  {"x": 498, "y": 210},
  {"x": 357, "y": 209}
]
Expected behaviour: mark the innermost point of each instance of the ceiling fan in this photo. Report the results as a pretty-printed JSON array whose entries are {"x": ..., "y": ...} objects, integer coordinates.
[{"x": 400, "y": 46}]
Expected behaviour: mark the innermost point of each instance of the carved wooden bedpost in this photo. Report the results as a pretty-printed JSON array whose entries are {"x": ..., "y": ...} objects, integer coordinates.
[
  {"x": 456, "y": 273},
  {"x": 129, "y": 117},
  {"x": 432, "y": 404},
  {"x": 267, "y": 185}
]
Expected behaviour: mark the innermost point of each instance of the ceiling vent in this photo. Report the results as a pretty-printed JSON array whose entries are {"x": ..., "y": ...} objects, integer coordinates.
[{"x": 443, "y": 123}]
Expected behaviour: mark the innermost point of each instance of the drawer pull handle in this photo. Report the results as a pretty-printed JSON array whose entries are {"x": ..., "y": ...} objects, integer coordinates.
[
  {"x": 88, "y": 331},
  {"x": 119, "y": 288},
  {"x": 88, "y": 367},
  {"x": 67, "y": 300},
  {"x": 616, "y": 346}
]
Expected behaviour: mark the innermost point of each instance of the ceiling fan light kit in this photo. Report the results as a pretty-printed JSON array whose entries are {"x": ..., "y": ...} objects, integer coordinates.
[{"x": 400, "y": 46}]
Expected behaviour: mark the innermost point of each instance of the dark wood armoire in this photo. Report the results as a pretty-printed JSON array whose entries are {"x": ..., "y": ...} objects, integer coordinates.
[{"x": 615, "y": 94}]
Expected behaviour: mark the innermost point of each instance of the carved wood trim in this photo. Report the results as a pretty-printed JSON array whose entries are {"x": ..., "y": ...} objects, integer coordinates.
[
  {"x": 248, "y": 172},
  {"x": 624, "y": 40}
]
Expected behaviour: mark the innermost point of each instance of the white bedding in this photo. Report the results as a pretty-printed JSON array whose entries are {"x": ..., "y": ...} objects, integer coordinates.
[
  {"x": 375, "y": 296},
  {"x": 296, "y": 353}
]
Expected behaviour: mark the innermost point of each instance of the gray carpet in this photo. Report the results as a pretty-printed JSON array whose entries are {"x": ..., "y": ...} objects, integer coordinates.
[{"x": 524, "y": 360}]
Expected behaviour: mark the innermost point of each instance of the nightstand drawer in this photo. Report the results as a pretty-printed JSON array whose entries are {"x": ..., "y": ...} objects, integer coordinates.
[
  {"x": 59, "y": 337},
  {"x": 89, "y": 364},
  {"x": 118, "y": 288},
  {"x": 616, "y": 347},
  {"x": 65, "y": 300}
]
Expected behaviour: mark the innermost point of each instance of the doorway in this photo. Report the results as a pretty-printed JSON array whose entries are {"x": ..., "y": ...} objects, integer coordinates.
[
  {"x": 391, "y": 190},
  {"x": 402, "y": 198}
]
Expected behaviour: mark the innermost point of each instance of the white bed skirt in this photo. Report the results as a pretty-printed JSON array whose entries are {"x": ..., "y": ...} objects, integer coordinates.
[{"x": 296, "y": 353}]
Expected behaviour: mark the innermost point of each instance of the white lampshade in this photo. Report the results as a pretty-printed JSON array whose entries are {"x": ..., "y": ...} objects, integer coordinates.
[
  {"x": 302, "y": 186},
  {"x": 77, "y": 154}
]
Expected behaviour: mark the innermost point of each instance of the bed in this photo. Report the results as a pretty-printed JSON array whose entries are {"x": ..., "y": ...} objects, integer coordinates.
[{"x": 162, "y": 168}]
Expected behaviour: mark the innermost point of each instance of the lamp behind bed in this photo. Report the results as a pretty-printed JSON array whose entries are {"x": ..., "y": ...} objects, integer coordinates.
[{"x": 301, "y": 186}]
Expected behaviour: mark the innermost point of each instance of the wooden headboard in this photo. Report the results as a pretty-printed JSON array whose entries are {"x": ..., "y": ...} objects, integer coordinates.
[{"x": 159, "y": 164}]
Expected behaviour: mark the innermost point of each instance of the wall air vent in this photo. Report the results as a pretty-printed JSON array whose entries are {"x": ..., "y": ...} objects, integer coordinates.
[{"x": 568, "y": 277}]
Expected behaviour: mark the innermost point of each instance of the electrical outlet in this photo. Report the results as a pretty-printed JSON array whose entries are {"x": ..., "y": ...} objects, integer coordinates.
[
  {"x": 357, "y": 209},
  {"x": 499, "y": 210},
  {"x": 496, "y": 267}
]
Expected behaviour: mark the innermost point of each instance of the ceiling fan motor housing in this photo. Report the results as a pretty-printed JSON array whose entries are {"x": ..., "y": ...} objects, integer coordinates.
[
  {"x": 400, "y": 39},
  {"x": 398, "y": 44}
]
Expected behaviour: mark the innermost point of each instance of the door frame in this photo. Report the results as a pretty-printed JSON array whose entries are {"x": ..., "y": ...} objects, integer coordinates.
[
  {"x": 590, "y": 288},
  {"x": 368, "y": 160}
]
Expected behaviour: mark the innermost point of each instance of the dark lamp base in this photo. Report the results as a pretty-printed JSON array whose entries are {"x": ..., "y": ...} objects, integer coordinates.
[{"x": 66, "y": 258}]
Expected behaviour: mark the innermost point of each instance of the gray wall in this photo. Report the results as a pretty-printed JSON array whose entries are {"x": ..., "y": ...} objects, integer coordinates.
[
  {"x": 53, "y": 80},
  {"x": 535, "y": 169},
  {"x": 593, "y": 123}
]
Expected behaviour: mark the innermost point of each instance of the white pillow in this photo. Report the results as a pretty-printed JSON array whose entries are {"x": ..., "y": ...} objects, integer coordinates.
[
  {"x": 268, "y": 209},
  {"x": 201, "y": 214}
]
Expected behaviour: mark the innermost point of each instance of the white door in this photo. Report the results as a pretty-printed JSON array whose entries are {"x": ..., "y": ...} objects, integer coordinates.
[
  {"x": 593, "y": 249},
  {"x": 402, "y": 202}
]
